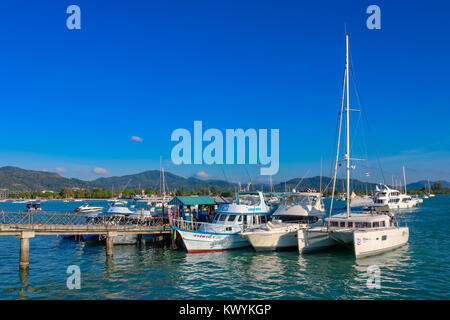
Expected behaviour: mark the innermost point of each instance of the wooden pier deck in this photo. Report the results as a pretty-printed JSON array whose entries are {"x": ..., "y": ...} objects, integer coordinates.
[{"x": 28, "y": 224}]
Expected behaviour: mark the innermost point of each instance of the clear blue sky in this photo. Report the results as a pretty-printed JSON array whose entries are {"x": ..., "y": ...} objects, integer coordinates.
[{"x": 72, "y": 99}]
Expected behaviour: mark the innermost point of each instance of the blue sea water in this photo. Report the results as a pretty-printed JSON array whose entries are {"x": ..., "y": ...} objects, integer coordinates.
[{"x": 418, "y": 270}]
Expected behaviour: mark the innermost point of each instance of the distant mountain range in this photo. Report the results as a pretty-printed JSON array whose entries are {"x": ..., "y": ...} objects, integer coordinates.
[
  {"x": 424, "y": 183},
  {"x": 17, "y": 179}
]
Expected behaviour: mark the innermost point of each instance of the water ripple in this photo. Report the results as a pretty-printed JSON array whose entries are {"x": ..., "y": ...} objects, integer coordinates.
[{"x": 419, "y": 270}]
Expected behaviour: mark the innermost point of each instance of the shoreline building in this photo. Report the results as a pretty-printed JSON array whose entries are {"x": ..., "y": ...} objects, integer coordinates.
[{"x": 4, "y": 194}]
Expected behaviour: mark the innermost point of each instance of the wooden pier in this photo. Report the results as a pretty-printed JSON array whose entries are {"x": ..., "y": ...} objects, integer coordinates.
[{"x": 28, "y": 224}]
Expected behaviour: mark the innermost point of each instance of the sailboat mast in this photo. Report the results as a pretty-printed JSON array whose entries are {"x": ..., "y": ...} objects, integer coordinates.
[
  {"x": 163, "y": 182},
  {"x": 348, "y": 126},
  {"x": 160, "y": 174},
  {"x": 404, "y": 178},
  {"x": 320, "y": 182}
]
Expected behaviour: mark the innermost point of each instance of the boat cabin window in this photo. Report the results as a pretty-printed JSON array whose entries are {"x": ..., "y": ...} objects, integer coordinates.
[
  {"x": 222, "y": 217},
  {"x": 293, "y": 219},
  {"x": 358, "y": 224},
  {"x": 342, "y": 224},
  {"x": 366, "y": 224},
  {"x": 334, "y": 224},
  {"x": 231, "y": 218},
  {"x": 350, "y": 224},
  {"x": 240, "y": 218},
  {"x": 376, "y": 224},
  {"x": 382, "y": 224}
]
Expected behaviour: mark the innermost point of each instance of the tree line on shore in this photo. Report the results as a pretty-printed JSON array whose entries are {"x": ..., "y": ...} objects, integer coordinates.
[{"x": 104, "y": 193}]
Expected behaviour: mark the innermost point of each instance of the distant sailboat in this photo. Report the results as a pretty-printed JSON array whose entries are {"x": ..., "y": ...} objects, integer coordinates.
[{"x": 429, "y": 190}]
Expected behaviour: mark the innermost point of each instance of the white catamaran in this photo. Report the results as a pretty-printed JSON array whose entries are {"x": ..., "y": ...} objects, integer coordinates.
[{"x": 367, "y": 232}]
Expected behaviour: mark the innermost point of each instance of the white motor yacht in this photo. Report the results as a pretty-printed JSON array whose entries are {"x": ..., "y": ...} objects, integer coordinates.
[
  {"x": 87, "y": 208},
  {"x": 119, "y": 210},
  {"x": 248, "y": 209},
  {"x": 297, "y": 211},
  {"x": 394, "y": 198}
]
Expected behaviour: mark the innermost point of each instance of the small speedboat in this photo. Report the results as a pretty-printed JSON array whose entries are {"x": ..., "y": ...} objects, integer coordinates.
[
  {"x": 118, "y": 202},
  {"x": 119, "y": 210},
  {"x": 86, "y": 208},
  {"x": 31, "y": 206}
]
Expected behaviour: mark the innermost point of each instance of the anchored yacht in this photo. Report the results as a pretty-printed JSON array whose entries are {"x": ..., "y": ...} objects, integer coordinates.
[
  {"x": 367, "y": 232},
  {"x": 248, "y": 209},
  {"x": 394, "y": 199},
  {"x": 86, "y": 208},
  {"x": 297, "y": 210}
]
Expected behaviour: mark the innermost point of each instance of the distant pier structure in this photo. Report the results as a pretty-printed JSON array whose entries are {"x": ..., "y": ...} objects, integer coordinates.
[{"x": 28, "y": 224}]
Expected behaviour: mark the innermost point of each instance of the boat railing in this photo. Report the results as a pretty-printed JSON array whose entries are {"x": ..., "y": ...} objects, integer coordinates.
[{"x": 189, "y": 225}]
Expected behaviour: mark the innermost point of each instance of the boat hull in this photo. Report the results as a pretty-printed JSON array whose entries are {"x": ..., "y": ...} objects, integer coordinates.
[
  {"x": 270, "y": 241},
  {"x": 372, "y": 242},
  {"x": 196, "y": 242},
  {"x": 314, "y": 240}
]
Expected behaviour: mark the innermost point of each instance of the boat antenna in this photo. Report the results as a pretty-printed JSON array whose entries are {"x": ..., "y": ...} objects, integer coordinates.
[{"x": 249, "y": 178}]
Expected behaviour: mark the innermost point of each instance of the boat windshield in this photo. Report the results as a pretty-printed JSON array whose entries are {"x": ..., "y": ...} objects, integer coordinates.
[
  {"x": 300, "y": 200},
  {"x": 249, "y": 200}
]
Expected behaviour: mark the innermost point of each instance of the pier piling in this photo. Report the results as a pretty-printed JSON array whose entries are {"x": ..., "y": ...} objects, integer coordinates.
[
  {"x": 24, "y": 259},
  {"x": 141, "y": 240},
  {"x": 110, "y": 243}
]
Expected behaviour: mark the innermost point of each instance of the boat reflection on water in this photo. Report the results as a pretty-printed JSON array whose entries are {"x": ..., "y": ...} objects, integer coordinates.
[
  {"x": 387, "y": 272},
  {"x": 266, "y": 267}
]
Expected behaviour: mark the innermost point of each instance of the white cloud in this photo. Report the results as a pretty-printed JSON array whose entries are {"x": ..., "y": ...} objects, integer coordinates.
[
  {"x": 44, "y": 170},
  {"x": 201, "y": 174},
  {"x": 60, "y": 170},
  {"x": 98, "y": 170},
  {"x": 136, "y": 138}
]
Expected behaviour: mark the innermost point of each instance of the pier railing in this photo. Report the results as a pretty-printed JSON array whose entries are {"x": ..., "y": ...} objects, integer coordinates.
[
  {"x": 29, "y": 217},
  {"x": 188, "y": 225}
]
